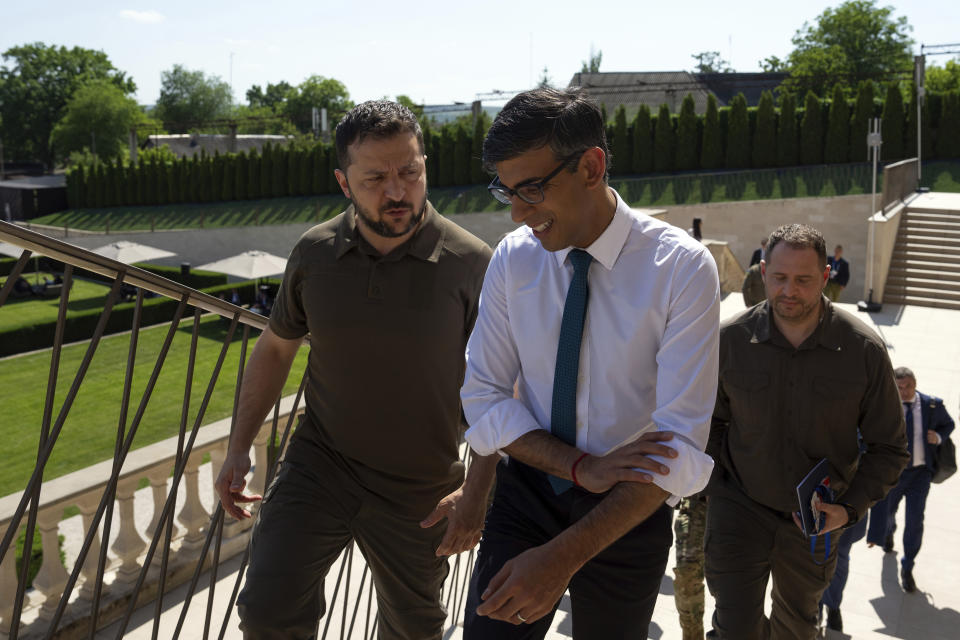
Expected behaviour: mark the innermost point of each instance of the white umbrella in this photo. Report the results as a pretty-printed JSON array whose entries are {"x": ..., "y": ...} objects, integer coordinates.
[
  {"x": 248, "y": 265},
  {"x": 130, "y": 252},
  {"x": 14, "y": 251}
]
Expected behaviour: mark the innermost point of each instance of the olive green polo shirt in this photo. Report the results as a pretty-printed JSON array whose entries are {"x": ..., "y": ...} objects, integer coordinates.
[
  {"x": 388, "y": 334},
  {"x": 781, "y": 409}
]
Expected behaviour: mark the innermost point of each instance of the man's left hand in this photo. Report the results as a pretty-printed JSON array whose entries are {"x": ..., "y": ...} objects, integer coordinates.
[
  {"x": 464, "y": 513},
  {"x": 933, "y": 437},
  {"x": 836, "y": 517},
  {"x": 526, "y": 588}
]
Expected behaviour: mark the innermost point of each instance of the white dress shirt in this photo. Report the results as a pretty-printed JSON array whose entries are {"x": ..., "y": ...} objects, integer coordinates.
[
  {"x": 919, "y": 439},
  {"x": 649, "y": 354}
]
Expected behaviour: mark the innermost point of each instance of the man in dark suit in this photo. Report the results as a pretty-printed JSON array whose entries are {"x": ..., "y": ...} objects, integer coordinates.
[
  {"x": 839, "y": 274},
  {"x": 758, "y": 255},
  {"x": 935, "y": 426}
]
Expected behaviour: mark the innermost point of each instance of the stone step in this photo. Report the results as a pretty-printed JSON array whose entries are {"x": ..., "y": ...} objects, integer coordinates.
[
  {"x": 920, "y": 301},
  {"x": 933, "y": 229},
  {"x": 937, "y": 238},
  {"x": 931, "y": 215},
  {"x": 922, "y": 292},
  {"x": 933, "y": 264},
  {"x": 929, "y": 248},
  {"x": 948, "y": 278},
  {"x": 912, "y": 281},
  {"x": 930, "y": 211}
]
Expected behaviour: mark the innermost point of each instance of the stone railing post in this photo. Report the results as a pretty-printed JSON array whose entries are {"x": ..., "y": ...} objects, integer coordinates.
[
  {"x": 52, "y": 577},
  {"x": 193, "y": 516},
  {"x": 129, "y": 545},
  {"x": 88, "y": 508},
  {"x": 8, "y": 589}
]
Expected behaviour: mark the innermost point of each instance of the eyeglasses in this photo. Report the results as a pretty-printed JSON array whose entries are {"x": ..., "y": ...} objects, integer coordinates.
[{"x": 529, "y": 192}]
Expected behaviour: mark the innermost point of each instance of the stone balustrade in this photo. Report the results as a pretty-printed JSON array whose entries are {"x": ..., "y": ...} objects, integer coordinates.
[{"x": 84, "y": 489}]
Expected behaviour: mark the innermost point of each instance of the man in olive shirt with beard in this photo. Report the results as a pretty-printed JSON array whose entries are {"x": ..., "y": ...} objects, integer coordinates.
[
  {"x": 388, "y": 293},
  {"x": 799, "y": 378}
]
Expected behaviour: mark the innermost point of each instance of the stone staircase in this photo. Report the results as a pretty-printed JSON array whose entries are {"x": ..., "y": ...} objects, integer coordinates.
[{"x": 925, "y": 265}]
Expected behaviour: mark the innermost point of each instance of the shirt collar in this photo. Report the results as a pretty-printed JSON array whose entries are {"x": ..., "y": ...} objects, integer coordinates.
[
  {"x": 606, "y": 248},
  {"x": 827, "y": 334},
  {"x": 426, "y": 243}
]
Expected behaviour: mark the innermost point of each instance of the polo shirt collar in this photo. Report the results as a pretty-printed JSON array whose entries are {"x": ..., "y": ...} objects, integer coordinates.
[
  {"x": 606, "y": 248},
  {"x": 426, "y": 243},
  {"x": 827, "y": 334}
]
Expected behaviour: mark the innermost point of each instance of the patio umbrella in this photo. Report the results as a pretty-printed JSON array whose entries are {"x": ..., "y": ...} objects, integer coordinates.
[
  {"x": 14, "y": 251},
  {"x": 248, "y": 265},
  {"x": 130, "y": 252}
]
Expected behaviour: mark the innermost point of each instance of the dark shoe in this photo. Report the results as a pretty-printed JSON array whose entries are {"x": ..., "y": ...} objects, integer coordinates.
[
  {"x": 906, "y": 579},
  {"x": 712, "y": 634},
  {"x": 888, "y": 544},
  {"x": 834, "y": 619}
]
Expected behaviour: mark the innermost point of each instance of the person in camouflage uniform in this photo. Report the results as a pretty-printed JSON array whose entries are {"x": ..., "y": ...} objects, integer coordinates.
[{"x": 689, "y": 528}]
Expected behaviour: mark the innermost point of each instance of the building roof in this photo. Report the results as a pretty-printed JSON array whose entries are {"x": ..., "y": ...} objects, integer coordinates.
[
  {"x": 653, "y": 88},
  {"x": 55, "y": 181}
]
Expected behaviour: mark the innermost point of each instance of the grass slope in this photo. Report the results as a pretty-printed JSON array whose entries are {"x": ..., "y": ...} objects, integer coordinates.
[{"x": 90, "y": 430}]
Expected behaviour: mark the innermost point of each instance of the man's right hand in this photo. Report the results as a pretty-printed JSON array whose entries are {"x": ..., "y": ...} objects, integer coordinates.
[
  {"x": 599, "y": 473},
  {"x": 230, "y": 484}
]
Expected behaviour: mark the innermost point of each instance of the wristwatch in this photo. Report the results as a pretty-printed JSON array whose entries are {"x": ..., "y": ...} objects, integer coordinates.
[{"x": 852, "y": 515}]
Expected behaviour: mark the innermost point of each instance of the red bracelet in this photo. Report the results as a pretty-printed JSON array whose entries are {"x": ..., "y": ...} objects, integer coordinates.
[{"x": 573, "y": 469}]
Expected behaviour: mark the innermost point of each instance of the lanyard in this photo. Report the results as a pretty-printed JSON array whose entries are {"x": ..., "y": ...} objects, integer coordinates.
[{"x": 826, "y": 548}]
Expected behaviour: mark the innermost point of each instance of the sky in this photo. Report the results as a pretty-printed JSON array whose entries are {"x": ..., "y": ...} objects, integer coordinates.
[{"x": 434, "y": 52}]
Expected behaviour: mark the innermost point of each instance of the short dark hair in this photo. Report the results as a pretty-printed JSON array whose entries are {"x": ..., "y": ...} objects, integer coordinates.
[
  {"x": 799, "y": 236},
  {"x": 377, "y": 119},
  {"x": 902, "y": 372},
  {"x": 565, "y": 119}
]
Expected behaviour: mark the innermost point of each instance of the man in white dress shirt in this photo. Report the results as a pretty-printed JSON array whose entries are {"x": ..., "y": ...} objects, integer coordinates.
[{"x": 581, "y": 500}]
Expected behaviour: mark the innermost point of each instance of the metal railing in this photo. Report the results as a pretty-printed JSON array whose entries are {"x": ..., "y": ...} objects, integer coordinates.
[{"x": 142, "y": 570}]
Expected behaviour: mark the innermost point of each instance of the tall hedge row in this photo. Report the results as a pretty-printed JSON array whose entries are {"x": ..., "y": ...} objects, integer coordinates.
[{"x": 734, "y": 137}]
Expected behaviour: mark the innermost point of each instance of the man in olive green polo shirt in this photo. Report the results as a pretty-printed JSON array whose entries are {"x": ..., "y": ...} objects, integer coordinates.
[
  {"x": 799, "y": 380},
  {"x": 388, "y": 293}
]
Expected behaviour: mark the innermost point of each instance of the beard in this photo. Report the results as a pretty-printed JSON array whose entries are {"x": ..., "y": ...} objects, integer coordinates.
[
  {"x": 799, "y": 312},
  {"x": 379, "y": 225}
]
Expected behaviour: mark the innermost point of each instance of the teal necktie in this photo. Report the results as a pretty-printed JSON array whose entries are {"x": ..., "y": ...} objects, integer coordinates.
[{"x": 563, "y": 411}]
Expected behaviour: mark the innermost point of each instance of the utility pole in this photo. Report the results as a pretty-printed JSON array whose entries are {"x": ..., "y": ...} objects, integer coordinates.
[
  {"x": 919, "y": 73},
  {"x": 874, "y": 140}
]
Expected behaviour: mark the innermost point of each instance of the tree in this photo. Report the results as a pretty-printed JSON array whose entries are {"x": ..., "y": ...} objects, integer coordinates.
[
  {"x": 417, "y": 109},
  {"x": 787, "y": 153},
  {"x": 593, "y": 64},
  {"x": 445, "y": 172},
  {"x": 711, "y": 148},
  {"x": 773, "y": 64},
  {"x": 710, "y": 62},
  {"x": 545, "y": 82},
  {"x": 642, "y": 141},
  {"x": 274, "y": 97},
  {"x": 191, "y": 97},
  {"x": 98, "y": 110},
  {"x": 620, "y": 147},
  {"x": 253, "y": 174},
  {"x": 945, "y": 78},
  {"x": 687, "y": 155},
  {"x": 36, "y": 83},
  {"x": 855, "y": 41},
  {"x": 837, "y": 145},
  {"x": 664, "y": 141},
  {"x": 892, "y": 124},
  {"x": 811, "y": 131},
  {"x": 738, "y": 134},
  {"x": 860, "y": 122},
  {"x": 948, "y": 135},
  {"x": 317, "y": 91},
  {"x": 765, "y": 135},
  {"x": 477, "y": 174},
  {"x": 463, "y": 149}
]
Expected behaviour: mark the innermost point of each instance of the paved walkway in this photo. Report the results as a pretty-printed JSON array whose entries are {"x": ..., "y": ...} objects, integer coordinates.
[{"x": 874, "y": 607}]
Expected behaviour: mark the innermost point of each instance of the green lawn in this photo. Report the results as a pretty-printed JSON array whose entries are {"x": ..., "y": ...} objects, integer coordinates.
[
  {"x": 22, "y": 312},
  {"x": 90, "y": 431}
]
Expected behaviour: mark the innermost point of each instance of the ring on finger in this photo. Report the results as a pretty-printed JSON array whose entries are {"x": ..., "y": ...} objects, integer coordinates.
[{"x": 520, "y": 617}]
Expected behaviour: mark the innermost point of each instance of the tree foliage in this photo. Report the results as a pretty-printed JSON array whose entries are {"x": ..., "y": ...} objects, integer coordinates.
[
  {"x": 593, "y": 64},
  {"x": 945, "y": 78},
  {"x": 811, "y": 131},
  {"x": 98, "y": 113},
  {"x": 787, "y": 151},
  {"x": 857, "y": 40},
  {"x": 664, "y": 141},
  {"x": 860, "y": 122},
  {"x": 36, "y": 83},
  {"x": 323, "y": 93},
  {"x": 892, "y": 124},
  {"x": 837, "y": 145},
  {"x": 190, "y": 98},
  {"x": 620, "y": 145},
  {"x": 687, "y": 152},
  {"x": 738, "y": 136},
  {"x": 711, "y": 150},
  {"x": 765, "y": 135},
  {"x": 710, "y": 62},
  {"x": 948, "y": 138},
  {"x": 642, "y": 141}
]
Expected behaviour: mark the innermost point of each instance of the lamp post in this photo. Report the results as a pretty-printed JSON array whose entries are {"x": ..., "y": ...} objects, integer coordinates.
[{"x": 874, "y": 140}]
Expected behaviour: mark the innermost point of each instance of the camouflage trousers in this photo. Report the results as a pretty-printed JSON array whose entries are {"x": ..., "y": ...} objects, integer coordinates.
[{"x": 689, "y": 527}]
